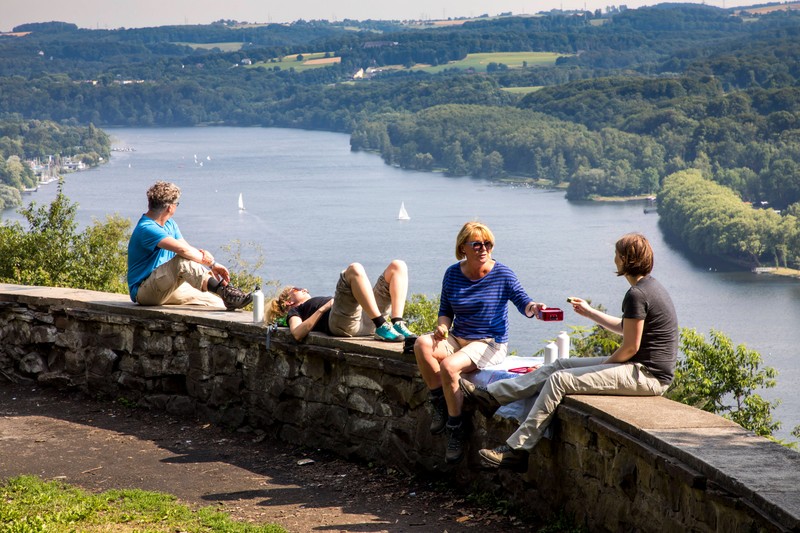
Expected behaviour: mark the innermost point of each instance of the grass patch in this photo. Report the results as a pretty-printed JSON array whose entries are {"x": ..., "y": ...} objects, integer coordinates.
[
  {"x": 478, "y": 62},
  {"x": 310, "y": 60},
  {"x": 224, "y": 47},
  {"x": 522, "y": 90},
  {"x": 32, "y": 505}
]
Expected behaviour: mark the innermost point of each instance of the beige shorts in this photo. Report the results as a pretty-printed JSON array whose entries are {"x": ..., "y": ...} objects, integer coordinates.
[
  {"x": 347, "y": 318},
  {"x": 482, "y": 352}
]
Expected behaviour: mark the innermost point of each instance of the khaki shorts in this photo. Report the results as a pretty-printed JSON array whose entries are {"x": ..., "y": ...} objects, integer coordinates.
[
  {"x": 177, "y": 282},
  {"x": 482, "y": 352},
  {"x": 347, "y": 318}
]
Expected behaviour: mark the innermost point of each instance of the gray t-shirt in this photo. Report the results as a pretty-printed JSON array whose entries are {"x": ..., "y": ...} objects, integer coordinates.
[{"x": 658, "y": 351}]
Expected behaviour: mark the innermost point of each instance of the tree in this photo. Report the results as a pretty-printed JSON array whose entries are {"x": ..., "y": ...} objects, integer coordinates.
[
  {"x": 719, "y": 378},
  {"x": 50, "y": 252}
]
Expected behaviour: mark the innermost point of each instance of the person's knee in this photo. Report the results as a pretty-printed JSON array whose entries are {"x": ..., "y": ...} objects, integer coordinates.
[
  {"x": 398, "y": 266},
  {"x": 450, "y": 369},
  {"x": 423, "y": 346},
  {"x": 355, "y": 269}
]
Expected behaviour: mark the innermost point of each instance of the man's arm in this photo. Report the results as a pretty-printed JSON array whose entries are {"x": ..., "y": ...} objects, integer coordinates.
[{"x": 187, "y": 251}]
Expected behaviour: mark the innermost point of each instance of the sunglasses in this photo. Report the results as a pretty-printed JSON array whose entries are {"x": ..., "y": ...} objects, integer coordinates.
[{"x": 477, "y": 245}]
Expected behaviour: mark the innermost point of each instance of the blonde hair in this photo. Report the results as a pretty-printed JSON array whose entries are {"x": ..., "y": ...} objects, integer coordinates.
[
  {"x": 162, "y": 194},
  {"x": 276, "y": 307},
  {"x": 468, "y": 230}
]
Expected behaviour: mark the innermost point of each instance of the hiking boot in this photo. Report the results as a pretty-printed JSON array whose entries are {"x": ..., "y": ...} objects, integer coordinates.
[
  {"x": 400, "y": 327},
  {"x": 504, "y": 456},
  {"x": 480, "y": 396},
  {"x": 457, "y": 442},
  {"x": 439, "y": 415},
  {"x": 387, "y": 333},
  {"x": 234, "y": 298}
]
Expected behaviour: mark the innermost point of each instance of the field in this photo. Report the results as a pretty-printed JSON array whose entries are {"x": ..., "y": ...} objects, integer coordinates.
[
  {"x": 522, "y": 90},
  {"x": 225, "y": 47},
  {"x": 310, "y": 60},
  {"x": 478, "y": 62}
]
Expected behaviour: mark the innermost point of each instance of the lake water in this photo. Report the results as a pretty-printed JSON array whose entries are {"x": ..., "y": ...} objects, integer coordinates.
[{"x": 314, "y": 206}]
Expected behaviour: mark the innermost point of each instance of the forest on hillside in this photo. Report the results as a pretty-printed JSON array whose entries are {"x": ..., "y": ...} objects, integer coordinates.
[{"x": 636, "y": 97}]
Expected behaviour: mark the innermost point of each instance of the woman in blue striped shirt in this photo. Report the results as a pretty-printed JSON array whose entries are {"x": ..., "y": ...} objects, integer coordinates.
[{"x": 472, "y": 330}]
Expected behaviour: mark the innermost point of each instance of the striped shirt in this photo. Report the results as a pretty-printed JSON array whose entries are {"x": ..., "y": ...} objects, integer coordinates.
[{"x": 479, "y": 308}]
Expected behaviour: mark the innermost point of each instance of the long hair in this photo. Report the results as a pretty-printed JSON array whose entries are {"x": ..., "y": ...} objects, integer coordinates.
[{"x": 276, "y": 307}]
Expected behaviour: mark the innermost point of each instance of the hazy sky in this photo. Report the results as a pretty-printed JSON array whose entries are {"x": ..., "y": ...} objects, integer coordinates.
[{"x": 110, "y": 14}]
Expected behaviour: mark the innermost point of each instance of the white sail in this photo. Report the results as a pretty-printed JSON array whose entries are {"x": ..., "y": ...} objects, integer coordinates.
[
  {"x": 241, "y": 203},
  {"x": 403, "y": 215}
]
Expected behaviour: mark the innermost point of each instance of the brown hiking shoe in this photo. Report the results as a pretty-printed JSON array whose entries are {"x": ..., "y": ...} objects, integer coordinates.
[
  {"x": 480, "y": 396},
  {"x": 504, "y": 456},
  {"x": 234, "y": 298}
]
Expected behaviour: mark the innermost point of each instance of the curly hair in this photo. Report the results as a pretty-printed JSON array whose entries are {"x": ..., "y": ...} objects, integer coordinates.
[
  {"x": 276, "y": 307},
  {"x": 162, "y": 194}
]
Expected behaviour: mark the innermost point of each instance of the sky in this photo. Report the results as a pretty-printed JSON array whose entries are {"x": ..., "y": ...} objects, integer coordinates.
[{"x": 112, "y": 14}]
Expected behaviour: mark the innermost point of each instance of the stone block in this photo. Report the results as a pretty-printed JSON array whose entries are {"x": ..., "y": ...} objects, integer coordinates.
[
  {"x": 369, "y": 380},
  {"x": 314, "y": 367},
  {"x": 32, "y": 364},
  {"x": 131, "y": 382},
  {"x": 100, "y": 361},
  {"x": 175, "y": 363},
  {"x": 153, "y": 343},
  {"x": 43, "y": 334},
  {"x": 57, "y": 380},
  {"x": 358, "y": 401},
  {"x": 74, "y": 362},
  {"x": 223, "y": 359},
  {"x": 112, "y": 336}
]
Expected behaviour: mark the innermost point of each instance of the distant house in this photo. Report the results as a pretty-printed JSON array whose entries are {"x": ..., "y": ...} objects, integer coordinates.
[
  {"x": 247, "y": 61},
  {"x": 380, "y": 44},
  {"x": 359, "y": 75}
]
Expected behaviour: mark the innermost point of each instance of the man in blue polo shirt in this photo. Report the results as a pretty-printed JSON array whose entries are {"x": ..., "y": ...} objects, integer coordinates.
[{"x": 165, "y": 269}]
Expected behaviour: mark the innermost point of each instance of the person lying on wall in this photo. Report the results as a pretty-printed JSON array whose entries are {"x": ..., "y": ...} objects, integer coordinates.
[{"x": 356, "y": 308}]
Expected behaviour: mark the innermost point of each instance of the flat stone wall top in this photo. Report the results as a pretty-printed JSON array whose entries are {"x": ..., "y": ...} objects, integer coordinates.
[{"x": 724, "y": 452}]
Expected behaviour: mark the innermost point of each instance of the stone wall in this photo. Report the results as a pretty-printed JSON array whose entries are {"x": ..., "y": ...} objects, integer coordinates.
[{"x": 614, "y": 463}]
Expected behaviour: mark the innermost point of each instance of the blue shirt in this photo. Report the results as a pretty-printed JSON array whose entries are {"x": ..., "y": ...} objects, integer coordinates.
[
  {"x": 144, "y": 255},
  {"x": 479, "y": 308}
]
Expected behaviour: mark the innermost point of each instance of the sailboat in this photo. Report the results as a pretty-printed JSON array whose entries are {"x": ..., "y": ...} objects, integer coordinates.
[
  {"x": 403, "y": 215},
  {"x": 241, "y": 203}
]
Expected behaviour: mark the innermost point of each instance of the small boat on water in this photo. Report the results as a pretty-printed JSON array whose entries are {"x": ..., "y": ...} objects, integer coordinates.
[
  {"x": 403, "y": 215},
  {"x": 241, "y": 202}
]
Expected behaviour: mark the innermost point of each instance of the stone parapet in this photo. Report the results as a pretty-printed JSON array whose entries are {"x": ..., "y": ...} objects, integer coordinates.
[{"x": 614, "y": 463}]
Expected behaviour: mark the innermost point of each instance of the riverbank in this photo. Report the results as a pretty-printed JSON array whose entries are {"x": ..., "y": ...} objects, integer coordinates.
[{"x": 779, "y": 271}]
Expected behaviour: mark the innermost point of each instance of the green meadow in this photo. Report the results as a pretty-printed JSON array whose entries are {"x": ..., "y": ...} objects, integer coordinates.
[
  {"x": 225, "y": 47},
  {"x": 478, "y": 62},
  {"x": 309, "y": 61}
]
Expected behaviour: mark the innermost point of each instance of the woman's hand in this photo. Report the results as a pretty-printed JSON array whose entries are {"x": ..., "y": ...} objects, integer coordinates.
[
  {"x": 580, "y": 306},
  {"x": 533, "y": 308},
  {"x": 326, "y": 307},
  {"x": 441, "y": 332}
]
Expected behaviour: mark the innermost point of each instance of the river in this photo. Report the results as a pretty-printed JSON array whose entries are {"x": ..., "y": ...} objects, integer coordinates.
[{"x": 313, "y": 206}]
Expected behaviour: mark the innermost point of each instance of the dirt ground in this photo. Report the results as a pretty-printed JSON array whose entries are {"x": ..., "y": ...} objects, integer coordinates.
[{"x": 101, "y": 445}]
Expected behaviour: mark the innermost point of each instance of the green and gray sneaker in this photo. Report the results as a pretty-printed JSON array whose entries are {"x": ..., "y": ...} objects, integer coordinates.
[
  {"x": 387, "y": 333},
  {"x": 400, "y": 327}
]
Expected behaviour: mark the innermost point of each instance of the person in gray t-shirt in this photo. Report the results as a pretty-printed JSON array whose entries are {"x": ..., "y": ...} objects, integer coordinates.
[{"x": 643, "y": 365}]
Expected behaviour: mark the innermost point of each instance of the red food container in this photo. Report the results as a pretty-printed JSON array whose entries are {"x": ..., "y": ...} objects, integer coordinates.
[{"x": 551, "y": 314}]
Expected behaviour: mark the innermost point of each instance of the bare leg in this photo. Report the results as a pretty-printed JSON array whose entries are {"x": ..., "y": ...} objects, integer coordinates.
[
  {"x": 356, "y": 276},
  {"x": 396, "y": 275},
  {"x": 451, "y": 369},
  {"x": 430, "y": 354}
]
